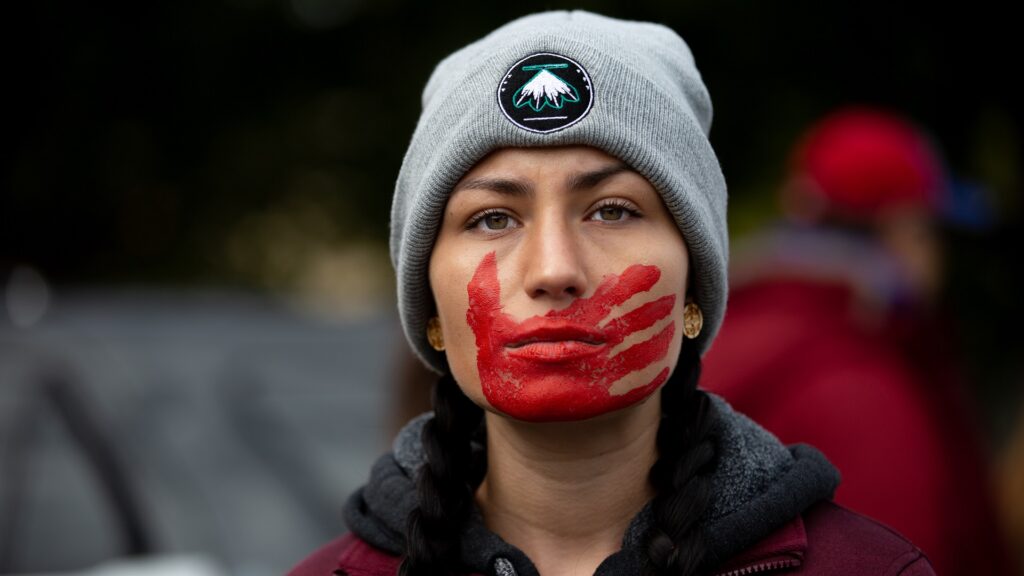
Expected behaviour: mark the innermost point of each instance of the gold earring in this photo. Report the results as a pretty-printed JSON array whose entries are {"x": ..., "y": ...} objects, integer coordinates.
[
  {"x": 434, "y": 335},
  {"x": 693, "y": 320}
]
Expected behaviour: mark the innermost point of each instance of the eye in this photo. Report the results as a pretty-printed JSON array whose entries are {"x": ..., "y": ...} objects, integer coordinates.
[
  {"x": 496, "y": 221},
  {"x": 491, "y": 220},
  {"x": 614, "y": 211},
  {"x": 611, "y": 212}
]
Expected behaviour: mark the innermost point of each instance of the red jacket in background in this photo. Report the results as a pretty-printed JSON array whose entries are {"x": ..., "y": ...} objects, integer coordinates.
[{"x": 798, "y": 358}]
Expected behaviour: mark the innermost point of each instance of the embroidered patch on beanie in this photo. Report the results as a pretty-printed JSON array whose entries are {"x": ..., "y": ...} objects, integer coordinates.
[{"x": 545, "y": 92}]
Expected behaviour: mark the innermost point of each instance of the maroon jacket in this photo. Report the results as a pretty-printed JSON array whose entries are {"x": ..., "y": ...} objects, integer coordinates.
[
  {"x": 827, "y": 540},
  {"x": 770, "y": 510}
]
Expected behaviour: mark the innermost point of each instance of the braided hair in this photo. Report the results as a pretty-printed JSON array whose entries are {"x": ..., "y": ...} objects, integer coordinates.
[
  {"x": 449, "y": 478},
  {"x": 445, "y": 485},
  {"x": 681, "y": 475}
]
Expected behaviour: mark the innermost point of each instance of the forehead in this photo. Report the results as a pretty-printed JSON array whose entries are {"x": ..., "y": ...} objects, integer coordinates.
[
  {"x": 522, "y": 171},
  {"x": 543, "y": 160}
]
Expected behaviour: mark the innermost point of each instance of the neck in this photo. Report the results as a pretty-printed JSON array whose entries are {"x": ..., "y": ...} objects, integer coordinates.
[{"x": 565, "y": 493}]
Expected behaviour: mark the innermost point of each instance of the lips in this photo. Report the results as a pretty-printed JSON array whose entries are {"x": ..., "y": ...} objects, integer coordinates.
[
  {"x": 545, "y": 330},
  {"x": 546, "y": 340}
]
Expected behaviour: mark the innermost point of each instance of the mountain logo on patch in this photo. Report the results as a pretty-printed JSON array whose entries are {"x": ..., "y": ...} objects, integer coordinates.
[{"x": 545, "y": 92}]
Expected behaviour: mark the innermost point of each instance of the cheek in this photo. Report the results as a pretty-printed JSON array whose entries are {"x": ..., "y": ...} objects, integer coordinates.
[
  {"x": 648, "y": 369},
  {"x": 449, "y": 289},
  {"x": 460, "y": 349}
]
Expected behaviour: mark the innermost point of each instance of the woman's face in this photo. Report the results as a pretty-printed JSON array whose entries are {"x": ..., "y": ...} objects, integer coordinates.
[{"x": 559, "y": 278}]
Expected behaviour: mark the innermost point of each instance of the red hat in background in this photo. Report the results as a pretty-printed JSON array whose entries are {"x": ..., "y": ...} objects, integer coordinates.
[{"x": 863, "y": 162}]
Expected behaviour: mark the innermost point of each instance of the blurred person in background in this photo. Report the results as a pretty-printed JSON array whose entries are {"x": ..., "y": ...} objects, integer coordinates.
[{"x": 836, "y": 335}]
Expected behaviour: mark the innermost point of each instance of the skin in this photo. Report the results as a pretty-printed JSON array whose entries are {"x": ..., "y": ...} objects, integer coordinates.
[{"x": 557, "y": 222}]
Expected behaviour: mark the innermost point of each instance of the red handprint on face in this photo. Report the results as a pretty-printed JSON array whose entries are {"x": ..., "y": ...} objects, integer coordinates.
[{"x": 560, "y": 366}]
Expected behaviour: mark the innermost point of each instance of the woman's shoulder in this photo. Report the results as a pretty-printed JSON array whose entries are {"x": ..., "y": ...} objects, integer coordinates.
[
  {"x": 349, "y": 555},
  {"x": 841, "y": 541}
]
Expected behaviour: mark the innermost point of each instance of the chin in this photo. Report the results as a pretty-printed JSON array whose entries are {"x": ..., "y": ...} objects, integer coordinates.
[{"x": 556, "y": 399}]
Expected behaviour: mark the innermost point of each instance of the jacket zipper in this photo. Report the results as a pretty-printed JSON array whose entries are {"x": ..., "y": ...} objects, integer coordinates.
[{"x": 762, "y": 567}]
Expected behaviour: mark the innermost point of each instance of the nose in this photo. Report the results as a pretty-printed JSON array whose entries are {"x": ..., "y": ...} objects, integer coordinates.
[{"x": 553, "y": 259}]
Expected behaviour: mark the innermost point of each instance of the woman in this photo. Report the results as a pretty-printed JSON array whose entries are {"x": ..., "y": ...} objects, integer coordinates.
[{"x": 559, "y": 235}]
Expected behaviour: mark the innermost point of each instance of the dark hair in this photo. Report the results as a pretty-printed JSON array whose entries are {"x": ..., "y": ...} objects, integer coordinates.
[
  {"x": 681, "y": 475},
  {"x": 448, "y": 480},
  {"x": 445, "y": 485}
]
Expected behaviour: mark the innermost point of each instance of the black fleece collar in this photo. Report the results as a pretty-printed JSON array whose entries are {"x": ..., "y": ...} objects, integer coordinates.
[{"x": 758, "y": 486}]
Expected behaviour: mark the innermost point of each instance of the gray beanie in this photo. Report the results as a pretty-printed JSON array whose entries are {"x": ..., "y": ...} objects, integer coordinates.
[{"x": 557, "y": 79}]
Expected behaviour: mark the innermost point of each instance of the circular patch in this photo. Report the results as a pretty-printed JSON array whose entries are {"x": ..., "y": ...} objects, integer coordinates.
[{"x": 545, "y": 92}]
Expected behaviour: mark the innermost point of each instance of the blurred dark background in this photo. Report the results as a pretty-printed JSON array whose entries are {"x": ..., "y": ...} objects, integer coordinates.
[{"x": 249, "y": 147}]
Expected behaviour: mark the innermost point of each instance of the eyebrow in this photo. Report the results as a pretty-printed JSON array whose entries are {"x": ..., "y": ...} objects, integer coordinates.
[
  {"x": 588, "y": 180},
  {"x": 504, "y": 186},
  {"x": 511, "y": 187}
]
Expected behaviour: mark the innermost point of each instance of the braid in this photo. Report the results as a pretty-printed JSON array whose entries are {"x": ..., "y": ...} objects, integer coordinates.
[
  {"x": 445, "y": 484},
  {"x": 680, "y": 476}
]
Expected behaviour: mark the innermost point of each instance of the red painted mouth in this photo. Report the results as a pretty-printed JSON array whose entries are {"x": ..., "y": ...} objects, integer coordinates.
[
  {"x": 550, "y": 340},
  {"x": 546, "y": 330},
  {"x": 559, "y": 366},
  {"x": 554, "y": 351}
]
